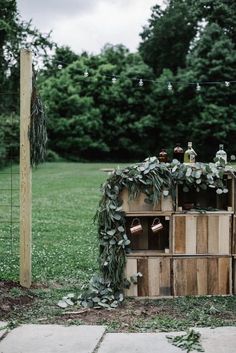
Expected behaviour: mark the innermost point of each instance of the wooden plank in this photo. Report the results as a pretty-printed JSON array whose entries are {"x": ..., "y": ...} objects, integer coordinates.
[
  {"x": 154, "y": 276},
  {"x": 180, "y": 280},
  {"x": 131, "y": 269},
  {"x": 142, "y": 267},
  {"x": 234, "y": 275},
  {"x": 202, "y": 276},
  {"x": 213, "y": 234},
  {"x": 202, "y": 234},
  {"x": 213, "y": 276},
  {"x": 234, "y": 235},
  {"x": 166, "y": 204},
  {"x": 138, "y": 204},
  {"x": 179, "y": 234},
  {"x": 191, "y": 276},
  {"x": 165, "y": 276},
  {"x": 190, "y": 230},
  {"x": 25, "y": 169},
  {"x": 224, "y": 234},
  {"x": 224, "y": 275}
]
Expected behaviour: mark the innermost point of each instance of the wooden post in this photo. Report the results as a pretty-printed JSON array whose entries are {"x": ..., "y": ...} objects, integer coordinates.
[{"x": 25, "y": 168}]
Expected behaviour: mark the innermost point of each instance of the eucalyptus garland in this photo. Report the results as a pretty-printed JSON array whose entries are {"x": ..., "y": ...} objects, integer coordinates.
[
  {"x": 38, "y": 128},
  {"x": 153, "y": 179}
]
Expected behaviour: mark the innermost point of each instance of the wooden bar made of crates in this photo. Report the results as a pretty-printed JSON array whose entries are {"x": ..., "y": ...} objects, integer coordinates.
[{"x": 178, "y": 276}]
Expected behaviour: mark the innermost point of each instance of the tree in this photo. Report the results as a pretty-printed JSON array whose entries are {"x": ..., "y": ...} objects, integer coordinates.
[
  {"x": 166, "y": 40},
  {"x": 15, "y": 34},
  {"x": 214, "y": 59},
  {"x": 94, "y": 118}
]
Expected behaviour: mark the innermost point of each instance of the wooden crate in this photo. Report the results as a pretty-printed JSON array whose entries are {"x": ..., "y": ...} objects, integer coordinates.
[
  {"x": 138, "y": 205},
  {"x": 202, "y": 233},
  {"x": 208, "y": 198},
  {"x": 156, "y": 277},
  {"x": 202, "y": 275}
]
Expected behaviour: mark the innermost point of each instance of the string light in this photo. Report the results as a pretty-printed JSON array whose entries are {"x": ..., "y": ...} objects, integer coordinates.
[
  {"x": 170, "y": 87},
  {"x": 140, "y": 83},
  {"x": 198, "y": 87}
]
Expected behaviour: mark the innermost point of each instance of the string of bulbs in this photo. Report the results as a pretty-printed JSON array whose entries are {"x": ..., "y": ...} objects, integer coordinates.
[{"x": 141, "y": 81}]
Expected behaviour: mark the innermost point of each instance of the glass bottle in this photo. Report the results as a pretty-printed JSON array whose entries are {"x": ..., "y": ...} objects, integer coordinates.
[
  {"x": 178, "y": 153},
  {"x": 163, "y": 157},
  {"x": 221, "y": 153},
  {"x": 190, "y": 154}
]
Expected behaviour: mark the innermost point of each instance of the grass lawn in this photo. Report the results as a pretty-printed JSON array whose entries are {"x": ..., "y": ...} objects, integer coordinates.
[{"x": 65, "y": 199}]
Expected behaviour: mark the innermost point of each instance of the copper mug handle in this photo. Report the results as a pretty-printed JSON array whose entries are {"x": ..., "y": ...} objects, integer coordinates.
[
  {"x": 156, "y": 225},
  {"x": 136, "y": 228}
]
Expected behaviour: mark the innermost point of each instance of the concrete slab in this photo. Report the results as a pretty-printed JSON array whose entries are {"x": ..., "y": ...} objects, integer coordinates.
[
  {"x": 219, "y": 340},
  {"x": 52, "y": 339},
  {"x": 3, "y": 328},
  {"x": 137, "y": 343}
]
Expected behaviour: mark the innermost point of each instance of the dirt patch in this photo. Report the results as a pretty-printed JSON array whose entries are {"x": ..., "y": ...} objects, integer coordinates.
[
  {"x": 39, "y": 305},
  {"x": 12, "y": 296}
]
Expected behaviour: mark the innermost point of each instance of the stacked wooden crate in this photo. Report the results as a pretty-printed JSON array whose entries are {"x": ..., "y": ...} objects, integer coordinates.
[{"x": 194, "y": 254}]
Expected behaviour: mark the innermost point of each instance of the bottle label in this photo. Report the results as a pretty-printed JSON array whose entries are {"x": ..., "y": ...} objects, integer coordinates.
[{"x": 192, "y": 158}]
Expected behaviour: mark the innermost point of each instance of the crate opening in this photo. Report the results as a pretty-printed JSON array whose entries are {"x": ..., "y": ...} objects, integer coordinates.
[{"x": 153, "y": 233}]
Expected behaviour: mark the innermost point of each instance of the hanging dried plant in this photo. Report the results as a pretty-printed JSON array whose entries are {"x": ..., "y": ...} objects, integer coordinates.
[{"x": 38, "y": 129}]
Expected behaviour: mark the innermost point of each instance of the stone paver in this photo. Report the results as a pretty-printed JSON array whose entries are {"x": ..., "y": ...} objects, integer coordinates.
[
  {"x": 137, "y": 343},
  {"x": 219, "y": 340},
  {"x": 3, "y": 329},
  {"x": 52, "y": 339}
]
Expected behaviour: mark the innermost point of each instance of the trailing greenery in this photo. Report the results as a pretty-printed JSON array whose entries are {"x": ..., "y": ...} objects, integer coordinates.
[
  {"x": 154, "y": 179},
  {"x": 189, "y": 342},
  {"x": 38, "y": 129}
]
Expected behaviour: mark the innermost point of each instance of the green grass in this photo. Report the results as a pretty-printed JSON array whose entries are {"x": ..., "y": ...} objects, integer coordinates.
[{"x": 65, "y": 199}]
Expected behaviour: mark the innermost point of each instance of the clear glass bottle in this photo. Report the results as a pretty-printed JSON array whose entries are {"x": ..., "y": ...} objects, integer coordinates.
[
  {"x": 178, "y": 153},
  {"x": 221, "y": 153},
  {"x": 190, "y": 154},
  {"x": 163, "y": 157}
]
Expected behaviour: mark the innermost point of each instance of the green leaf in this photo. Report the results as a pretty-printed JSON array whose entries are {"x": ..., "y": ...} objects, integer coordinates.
[
  {"x": 117, "y": 216},
  {"x": 111, "y": 232}
]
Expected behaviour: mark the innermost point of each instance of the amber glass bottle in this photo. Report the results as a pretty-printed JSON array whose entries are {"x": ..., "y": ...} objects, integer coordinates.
[
  {"x": 178, "y": 153},
  {"x": 163, "y": 156}
]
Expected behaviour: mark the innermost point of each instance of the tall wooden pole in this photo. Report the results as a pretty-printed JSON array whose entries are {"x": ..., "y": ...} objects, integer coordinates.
[{"x": 25, "y": 168}]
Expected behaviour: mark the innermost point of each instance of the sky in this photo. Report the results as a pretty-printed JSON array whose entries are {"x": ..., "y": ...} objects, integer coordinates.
[{"x": 89, "y": 24}]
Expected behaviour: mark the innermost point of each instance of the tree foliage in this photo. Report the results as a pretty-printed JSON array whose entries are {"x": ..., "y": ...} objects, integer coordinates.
[{"x": 90, "y": 118}]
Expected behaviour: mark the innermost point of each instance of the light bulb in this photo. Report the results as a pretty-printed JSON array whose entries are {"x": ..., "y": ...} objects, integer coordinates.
[
  {"x": 227, "y": 83},
  {"x": 198, "y": 87},
  {"x": 86, "y": 73},
  {"x": 170, "y": 87},
  {"x": 59, "y": 67},
  {"x": 113, "y": 80},
  {"x": 140, "y": 83}
]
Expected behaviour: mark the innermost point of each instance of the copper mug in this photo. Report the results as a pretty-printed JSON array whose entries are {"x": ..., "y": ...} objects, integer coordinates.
[
  {"x": 156, "y": 225},
  {"x": 136, "y": 228}
]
